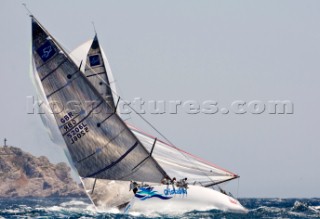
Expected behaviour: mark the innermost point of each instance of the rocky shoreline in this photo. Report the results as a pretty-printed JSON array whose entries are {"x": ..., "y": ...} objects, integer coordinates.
[{"x": 24, "y": 175}]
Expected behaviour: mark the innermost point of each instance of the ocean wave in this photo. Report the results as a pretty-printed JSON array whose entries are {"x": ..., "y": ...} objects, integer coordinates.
[
  {"x": 75, "y": 203},
  {"x": 316, "y": 207},
  {"x": 78, "y": 208}
]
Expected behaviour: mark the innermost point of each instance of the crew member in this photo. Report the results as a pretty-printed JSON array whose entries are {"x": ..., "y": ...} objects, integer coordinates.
[
  {"x": 173, "y": 182},
  {"x": 133, "y": 187}
]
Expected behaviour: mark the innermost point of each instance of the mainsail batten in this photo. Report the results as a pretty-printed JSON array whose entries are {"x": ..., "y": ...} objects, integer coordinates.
[
  {"x": 99, "y": 142},
  {"x": 115, "y": 162}
]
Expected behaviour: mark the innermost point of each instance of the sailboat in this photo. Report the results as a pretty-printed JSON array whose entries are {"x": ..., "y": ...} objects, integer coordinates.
[{"x": 109, "y": 154}]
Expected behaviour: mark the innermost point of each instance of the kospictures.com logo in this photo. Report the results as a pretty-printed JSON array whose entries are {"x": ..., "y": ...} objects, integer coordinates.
[{"x": 141, "y": 106}]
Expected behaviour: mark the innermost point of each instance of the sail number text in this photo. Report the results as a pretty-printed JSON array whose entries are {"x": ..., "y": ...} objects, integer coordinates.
[{"x": 74, "y": 130}]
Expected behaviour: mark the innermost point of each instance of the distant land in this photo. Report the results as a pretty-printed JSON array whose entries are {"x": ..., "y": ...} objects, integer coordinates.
[{"x": 24, "y": 175}]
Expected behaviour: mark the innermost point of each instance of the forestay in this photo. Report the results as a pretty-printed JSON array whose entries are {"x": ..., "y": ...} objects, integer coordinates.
[{"x": 100, "y": 144}]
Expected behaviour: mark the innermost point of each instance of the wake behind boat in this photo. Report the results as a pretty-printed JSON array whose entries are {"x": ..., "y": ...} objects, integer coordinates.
[{"x": 110, "y": 155}]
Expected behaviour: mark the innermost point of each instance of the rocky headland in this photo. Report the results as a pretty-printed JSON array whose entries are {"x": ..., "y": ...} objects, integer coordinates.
[{"x": 24, "y": 175}]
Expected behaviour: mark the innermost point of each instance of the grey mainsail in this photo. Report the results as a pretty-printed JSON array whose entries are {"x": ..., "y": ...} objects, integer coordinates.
[{"x": 100, "y": 144}]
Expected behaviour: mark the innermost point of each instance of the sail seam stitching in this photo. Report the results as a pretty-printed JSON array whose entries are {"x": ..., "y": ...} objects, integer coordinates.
[
  {"x": 54, "y": 69},
  {"x": 102, "y": 146},
  {"x": 67, "y": 84},
  {"x": 115, "y": 162},
  {"x": 95, "y": 74}
]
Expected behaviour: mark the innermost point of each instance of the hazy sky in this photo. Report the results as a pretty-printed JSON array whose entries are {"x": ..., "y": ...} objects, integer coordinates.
[{"x": 191, "y": 50}]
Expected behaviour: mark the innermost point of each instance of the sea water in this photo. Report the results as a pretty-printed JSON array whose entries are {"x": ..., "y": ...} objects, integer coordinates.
[{"x": 82, "y": 208}]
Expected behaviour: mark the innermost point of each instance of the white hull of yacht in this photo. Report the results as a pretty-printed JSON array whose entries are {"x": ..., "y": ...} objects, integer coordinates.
[
  {"x": 107, "y": 194},
  {"x": 166, "y": 200}
]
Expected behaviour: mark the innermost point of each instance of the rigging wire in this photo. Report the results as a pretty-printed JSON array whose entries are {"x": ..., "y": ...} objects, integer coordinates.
[
  {"x": 144, "y": 119},
  {"x": 141, "y": 117},
  {"x": 94, "y": 27},
  {"x": 238, "y": 187},
  {"x": 27, "y": 9}
]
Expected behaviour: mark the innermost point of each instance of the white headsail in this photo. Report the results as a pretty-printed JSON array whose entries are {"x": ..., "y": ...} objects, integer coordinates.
[{"x": 180, "y": 164}]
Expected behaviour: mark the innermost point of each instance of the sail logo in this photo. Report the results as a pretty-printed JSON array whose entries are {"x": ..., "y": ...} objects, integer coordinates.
[
  {"x": 145, "y": 193},
  {"x": 46, "y": 51},
  {"x": 94, "y": 60},
  {"x": 180, "y": 191}
]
